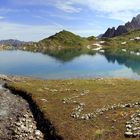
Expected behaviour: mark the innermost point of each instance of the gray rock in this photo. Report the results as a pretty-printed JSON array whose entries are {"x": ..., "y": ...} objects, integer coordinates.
[{"x": 128, "y": 134}]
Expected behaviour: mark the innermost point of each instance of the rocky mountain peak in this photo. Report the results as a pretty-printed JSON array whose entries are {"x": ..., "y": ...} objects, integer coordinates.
[
  {"x": 129, "y": 26},
  {"x": 138, "y": 16}
]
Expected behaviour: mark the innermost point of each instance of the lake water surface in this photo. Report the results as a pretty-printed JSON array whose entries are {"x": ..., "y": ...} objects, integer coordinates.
[{"x": 84, "y": 66}]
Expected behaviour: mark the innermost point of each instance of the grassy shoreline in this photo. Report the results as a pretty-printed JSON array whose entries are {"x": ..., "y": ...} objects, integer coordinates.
[{"x": 58, "y": 98}]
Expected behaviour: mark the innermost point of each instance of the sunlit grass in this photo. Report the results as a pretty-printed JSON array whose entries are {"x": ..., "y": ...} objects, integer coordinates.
[{"x": 48, "y": 95}]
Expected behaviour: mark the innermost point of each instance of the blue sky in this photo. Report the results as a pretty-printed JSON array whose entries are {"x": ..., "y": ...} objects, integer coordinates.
[{"x": 36, "y": 19}]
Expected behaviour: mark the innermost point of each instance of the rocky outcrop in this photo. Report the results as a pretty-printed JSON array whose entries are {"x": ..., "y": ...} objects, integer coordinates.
[
  {"x": 110, "y": 32},
  {"x": 134, "y": 24},
  {"x": 121, "y": 30},
  {"x": 129, "y": 26}
]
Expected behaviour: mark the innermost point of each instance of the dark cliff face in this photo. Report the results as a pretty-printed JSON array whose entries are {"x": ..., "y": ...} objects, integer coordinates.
[
  {"x": 121, "y": 30},
  {"x": 109, "y": 33},
  {"x": 134, "y": 24},
  {"x": 129, "y": 26}
]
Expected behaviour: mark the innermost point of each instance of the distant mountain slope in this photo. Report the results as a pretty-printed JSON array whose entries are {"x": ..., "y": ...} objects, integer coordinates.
[
  {"x": 122, "y": 29},
  {"x": 12, "y": 42}
]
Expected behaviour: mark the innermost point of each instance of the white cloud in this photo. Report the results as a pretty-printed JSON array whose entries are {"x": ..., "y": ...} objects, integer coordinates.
[
  {"x": 63, "y": 5},
  {"x": 122, "y": 10},
  {"x": 44, "y": 16},
  {"x": 10, "y": 10},
  {"x": 65, "y": 17},
  {"x": 67, "y": 6},
  {"x": 122, "y": 16},
  {"x": 115, "y": 9},
  {"x": 48, "y": 20},
  {"x": 1, "y": 17},
  {"x": 38, "y": 32},
  {"x": 110, "y": 5},
  {"x": 26, "y": 32}
]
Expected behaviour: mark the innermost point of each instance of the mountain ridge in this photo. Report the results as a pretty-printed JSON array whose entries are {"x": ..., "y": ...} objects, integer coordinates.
[{"x": 122, "y": 29}]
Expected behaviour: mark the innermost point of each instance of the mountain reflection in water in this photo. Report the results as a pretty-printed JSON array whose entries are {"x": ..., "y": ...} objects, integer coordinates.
[{"x": 82, "y": 66}]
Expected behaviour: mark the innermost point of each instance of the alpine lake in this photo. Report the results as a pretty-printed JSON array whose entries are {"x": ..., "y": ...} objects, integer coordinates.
[{"x": 83, "y": 66}]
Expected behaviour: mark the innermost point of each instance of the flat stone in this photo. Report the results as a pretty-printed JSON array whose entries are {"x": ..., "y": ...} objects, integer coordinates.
[{"x": 128, "y": 134}]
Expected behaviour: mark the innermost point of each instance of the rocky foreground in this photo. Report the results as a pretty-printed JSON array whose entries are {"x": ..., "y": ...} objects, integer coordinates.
[{"x": 16, "y": 119}]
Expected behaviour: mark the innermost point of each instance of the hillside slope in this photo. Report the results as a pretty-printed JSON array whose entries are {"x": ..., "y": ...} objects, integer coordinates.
[
  {"x": 64, "y": 45},
  {"x": 59, "y": 41},
  {"x": 62, "y": 40}
]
